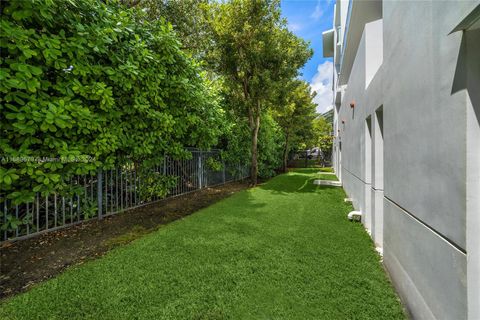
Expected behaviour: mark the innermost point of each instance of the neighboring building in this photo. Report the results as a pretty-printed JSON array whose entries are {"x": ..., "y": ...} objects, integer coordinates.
[{"x": 407, "y": 143}]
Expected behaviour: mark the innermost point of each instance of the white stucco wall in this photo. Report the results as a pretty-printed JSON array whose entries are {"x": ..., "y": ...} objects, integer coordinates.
[
  {"x": 414, "y": 200},
  {"x": 472, "y": 60},
  {"x": 427, "y": 122}
]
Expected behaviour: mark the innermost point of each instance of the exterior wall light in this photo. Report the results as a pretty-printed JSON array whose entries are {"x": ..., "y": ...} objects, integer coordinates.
[
  {"x": 352, "y": 104},
  {"x": 343, "y": 121}
]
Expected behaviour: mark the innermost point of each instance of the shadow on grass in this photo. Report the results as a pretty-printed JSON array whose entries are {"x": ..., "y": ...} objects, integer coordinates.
[
  {"x": 311, "y": 170},
  {"x": 304, "y": 171}
]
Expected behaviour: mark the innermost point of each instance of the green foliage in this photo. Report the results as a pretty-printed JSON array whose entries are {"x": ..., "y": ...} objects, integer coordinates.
[
  {"x": 256, "y": 51},
  {"x": 323, "y": 136},
  {"x": 270, "y": 147},
  {"x": 214, "y": 164},
  {"x": 237, "y": 145},
  {"x": 89, "y": 208},
  {"x": 296, "y": 116},
  {"x": 235, "y": 140},
  {"x": 189, "y": 20},
  {"x": 10, "y": 222},
  {"x": 87, "y": 82},
  {"x": 256, "y": 54},
  {"x": 155, "y": 185}
]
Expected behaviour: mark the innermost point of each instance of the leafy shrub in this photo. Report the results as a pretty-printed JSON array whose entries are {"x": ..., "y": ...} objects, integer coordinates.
[
  {"x": 270, "y": 147},
  {"x": 155, "y": 185},
  {"x": 235, "y": 141},
  {"x": 88, "y": 82},
  {"x": 214, "y": 164}
]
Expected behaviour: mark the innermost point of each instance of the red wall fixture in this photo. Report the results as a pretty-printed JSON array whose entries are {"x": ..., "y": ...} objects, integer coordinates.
[{"x": 352, "y": 104}]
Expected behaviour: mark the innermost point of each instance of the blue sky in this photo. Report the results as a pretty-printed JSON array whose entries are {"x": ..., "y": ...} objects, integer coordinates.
[{"x": 308, "y": 19}]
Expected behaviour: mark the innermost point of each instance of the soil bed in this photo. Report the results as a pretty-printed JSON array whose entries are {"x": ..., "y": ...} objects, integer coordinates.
[{"x": 26, "y": 262}]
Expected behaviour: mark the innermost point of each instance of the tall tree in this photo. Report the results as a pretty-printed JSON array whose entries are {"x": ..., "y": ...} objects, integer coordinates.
[
  {"x": 323, "y": 137},
  {"x": 189, "y": 20},
  {"x": 296, "y": 117},
  {"x": 256, "y": 53}
]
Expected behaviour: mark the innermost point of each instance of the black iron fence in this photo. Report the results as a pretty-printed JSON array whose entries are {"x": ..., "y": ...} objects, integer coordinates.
[
  {"x": 112, "y": 191},
  {"x": 308, "y": 158}
]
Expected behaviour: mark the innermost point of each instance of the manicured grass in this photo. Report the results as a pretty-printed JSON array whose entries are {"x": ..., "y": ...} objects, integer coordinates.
[
  {"x": 283, "y": 250},
  {"x": 327, "y": 177},
  {"x": 320, "y": 173}
]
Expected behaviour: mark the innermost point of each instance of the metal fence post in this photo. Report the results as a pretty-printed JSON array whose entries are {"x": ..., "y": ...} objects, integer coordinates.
[
  {"x": 223, "y": 162},
  {"x": 164, "y": 165},
  {"x": 99, "y": 193},
  {"x": 200, "y": 170}
]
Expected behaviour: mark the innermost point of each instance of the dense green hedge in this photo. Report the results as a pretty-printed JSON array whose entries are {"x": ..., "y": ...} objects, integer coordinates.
[{"x": 92, "y": 82}]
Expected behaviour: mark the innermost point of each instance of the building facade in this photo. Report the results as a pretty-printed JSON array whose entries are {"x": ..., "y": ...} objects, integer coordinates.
[{"x": 407, "y": 142}]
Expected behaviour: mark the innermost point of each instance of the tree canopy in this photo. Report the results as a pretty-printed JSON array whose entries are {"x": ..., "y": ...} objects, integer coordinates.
[
  {"x": 256, "y": 55},
  {"x": 296, "y": 117},
  {"x": 323, "y": 137}
]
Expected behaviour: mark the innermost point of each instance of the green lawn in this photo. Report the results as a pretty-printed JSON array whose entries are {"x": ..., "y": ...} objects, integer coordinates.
[{"x": 283, "y": 250}]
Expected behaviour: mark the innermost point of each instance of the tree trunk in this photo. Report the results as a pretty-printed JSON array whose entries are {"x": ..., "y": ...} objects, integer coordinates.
[
  {"x": 285, "y": 153},
  {"x": 254, "y": 130}
]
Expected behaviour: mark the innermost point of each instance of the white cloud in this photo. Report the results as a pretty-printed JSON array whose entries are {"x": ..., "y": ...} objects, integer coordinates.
[
  {"x": 294, "y": 27},
  {"x": 322, "y": 84},
  {"x": 320, "y": 9}
]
